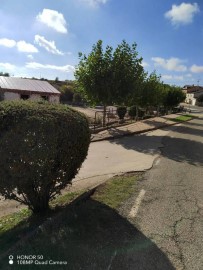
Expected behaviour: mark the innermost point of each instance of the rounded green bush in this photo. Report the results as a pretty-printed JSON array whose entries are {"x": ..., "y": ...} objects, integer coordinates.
[
  {"x": 121, "y": 111},
  {"x": 42, "y": 147}
]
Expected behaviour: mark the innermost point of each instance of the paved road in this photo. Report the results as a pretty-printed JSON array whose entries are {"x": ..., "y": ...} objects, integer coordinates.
[{"x": 171, "y": 212}]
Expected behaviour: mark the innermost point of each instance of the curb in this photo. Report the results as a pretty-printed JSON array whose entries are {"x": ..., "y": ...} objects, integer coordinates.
[{"x": 137, "y": 132}]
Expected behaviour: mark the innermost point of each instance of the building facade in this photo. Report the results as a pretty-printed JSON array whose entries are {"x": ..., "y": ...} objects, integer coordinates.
[
  {"x": 12, "y": 88},
  {"x": 192, "y": 93}
]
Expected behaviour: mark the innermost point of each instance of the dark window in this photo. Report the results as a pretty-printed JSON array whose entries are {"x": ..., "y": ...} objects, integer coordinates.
[
  {"x": 45, "y": 97},
  {"x": 24, "y": 97}
]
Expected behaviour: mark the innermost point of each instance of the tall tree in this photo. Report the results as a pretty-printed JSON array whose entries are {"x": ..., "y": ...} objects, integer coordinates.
[
  {"x": 127, "y": 72},
  {"x": 109, "y": 77},
  {"x": 173, "y": 97},
  {"x": 5, "y": 74},
  {"x": 94, "y": 76},
  {"x": 153, "y": 91}
]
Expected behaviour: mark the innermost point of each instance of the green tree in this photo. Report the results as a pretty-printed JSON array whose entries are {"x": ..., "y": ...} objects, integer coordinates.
[
  {"x": 109, "y": 77},
  {"x": 5, "y": 74},
  {"x": 94, "y": 76},
  {"x": 173, "y": 97},
  {"x": 128, "y": 72},
  {"x": 152, "y": 92},
  {"x": 67, "y": 93}
]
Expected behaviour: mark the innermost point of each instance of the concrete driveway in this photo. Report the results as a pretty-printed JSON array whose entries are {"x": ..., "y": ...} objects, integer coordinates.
[{"x": 126, "y": 154}]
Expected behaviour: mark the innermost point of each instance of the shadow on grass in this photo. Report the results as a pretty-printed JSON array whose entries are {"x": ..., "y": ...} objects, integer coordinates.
[{"x": 90, "y": 235}]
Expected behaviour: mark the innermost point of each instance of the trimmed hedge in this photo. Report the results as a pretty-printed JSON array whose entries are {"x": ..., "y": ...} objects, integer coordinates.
[{"x": 42, "y": 147}]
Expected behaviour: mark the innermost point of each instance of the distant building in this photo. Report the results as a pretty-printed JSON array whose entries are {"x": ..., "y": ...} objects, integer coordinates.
[
  {"x": 12, "y": 88},
  {"x": 192, "y": 93},
  {"x": 191, "y": 97},
  {"x": 192, "y": 88}
]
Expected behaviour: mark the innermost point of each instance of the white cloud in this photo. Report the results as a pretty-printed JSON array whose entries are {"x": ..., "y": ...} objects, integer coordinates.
[
  {"x": 95, "y": 3},
  {"x": 145, "y": 64},
  {"x": 172, "y": 64},
  {"x": 53, "y": 19},
  {"x": 34, "y": 65},
  {"x": 48, "y": 45},
  {"x": 30, "y": 56},
  {"x": 196, "y": 69},
  {"x": 26, "y": 47},
  {"x": 10, "y": 43},
  {"x": 182, "y": 14},
  {"x": 21, "y": 45},
  {"x": 179, "y": 78},
  {"x": 176, "y": 78},
  {"x": 167, "y": 77},
  {"x": 7, "y": 66},
  {"x": 188, "y": 75}
]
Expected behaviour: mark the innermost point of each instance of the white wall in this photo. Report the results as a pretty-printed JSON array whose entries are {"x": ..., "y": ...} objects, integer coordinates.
[
  {"x": 54, "y": 99},
  {"x": 11, "y": 96},
  {"x": 34, "y": 97},
  {"x": 16, "y": 96}
]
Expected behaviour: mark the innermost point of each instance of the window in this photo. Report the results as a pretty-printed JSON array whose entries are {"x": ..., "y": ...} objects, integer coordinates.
[
  {"x": 24, "y": 97},
  {"x": 45, "y": 97}
]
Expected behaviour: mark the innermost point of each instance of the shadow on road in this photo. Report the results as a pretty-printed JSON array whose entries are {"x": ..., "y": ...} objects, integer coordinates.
[
  {"x": 186, "y": 129},
  {"x": 92, "y": 236},
  {"x": 117, "y": 132},
  {"x": 189, "y": 123},
  {"x": 178, "y": 149}
]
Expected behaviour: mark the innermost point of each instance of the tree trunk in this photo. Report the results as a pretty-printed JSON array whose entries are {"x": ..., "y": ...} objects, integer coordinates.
[
  {"x": 104, "y": 115},
  {"x": 40, "y": 206},
  {"x": 137, "y": 110},
  {"x": 158, "y": 108}
]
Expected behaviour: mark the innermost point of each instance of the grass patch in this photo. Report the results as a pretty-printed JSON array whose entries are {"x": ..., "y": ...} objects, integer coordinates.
[
  {"x": 116, "y": 190},
  {"x": 183, "y": 118},
  {"x": 65, "y": 199},
  {"x": 86, "y": 234}
]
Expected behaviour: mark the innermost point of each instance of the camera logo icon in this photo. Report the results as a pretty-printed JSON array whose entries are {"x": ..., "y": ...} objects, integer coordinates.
[{"x": 10, "y": 259}]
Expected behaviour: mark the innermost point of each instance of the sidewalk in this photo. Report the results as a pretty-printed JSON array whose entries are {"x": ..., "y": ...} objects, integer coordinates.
[{"x": 135, "y": 128}]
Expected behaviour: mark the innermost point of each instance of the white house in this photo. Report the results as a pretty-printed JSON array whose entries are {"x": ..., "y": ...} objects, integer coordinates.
[
  {"x": 191, "y": 97},
  {"x": 12, "y": 88}
]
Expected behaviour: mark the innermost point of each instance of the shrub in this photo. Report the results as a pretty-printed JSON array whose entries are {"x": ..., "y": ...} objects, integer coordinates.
[
  {"x": 42, "y": 147},
  {"x": 132, "y": 112},
  {"x": 121, "y": 111}
]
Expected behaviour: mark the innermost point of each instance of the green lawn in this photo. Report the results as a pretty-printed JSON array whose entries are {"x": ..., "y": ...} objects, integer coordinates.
[
  {"x": 183, "y": 118},
  {"x": 81, "y": 234}
]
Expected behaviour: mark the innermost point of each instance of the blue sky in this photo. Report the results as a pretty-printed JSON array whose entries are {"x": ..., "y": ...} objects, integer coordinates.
[{"x": 42, "y": 38}]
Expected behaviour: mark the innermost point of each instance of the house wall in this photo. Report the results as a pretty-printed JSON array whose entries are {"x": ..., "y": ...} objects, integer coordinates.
[
  {"x": 54, "y": 99},
  {"x": 191, "y": 98},
  {"x": 11, "y": 96},
  {"x": 33, "y": 97}
]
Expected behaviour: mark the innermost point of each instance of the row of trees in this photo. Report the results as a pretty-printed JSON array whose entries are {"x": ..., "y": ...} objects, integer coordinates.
[
  {"x": 5, "y": 74},
  {"x": 117, "y": 77}
]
